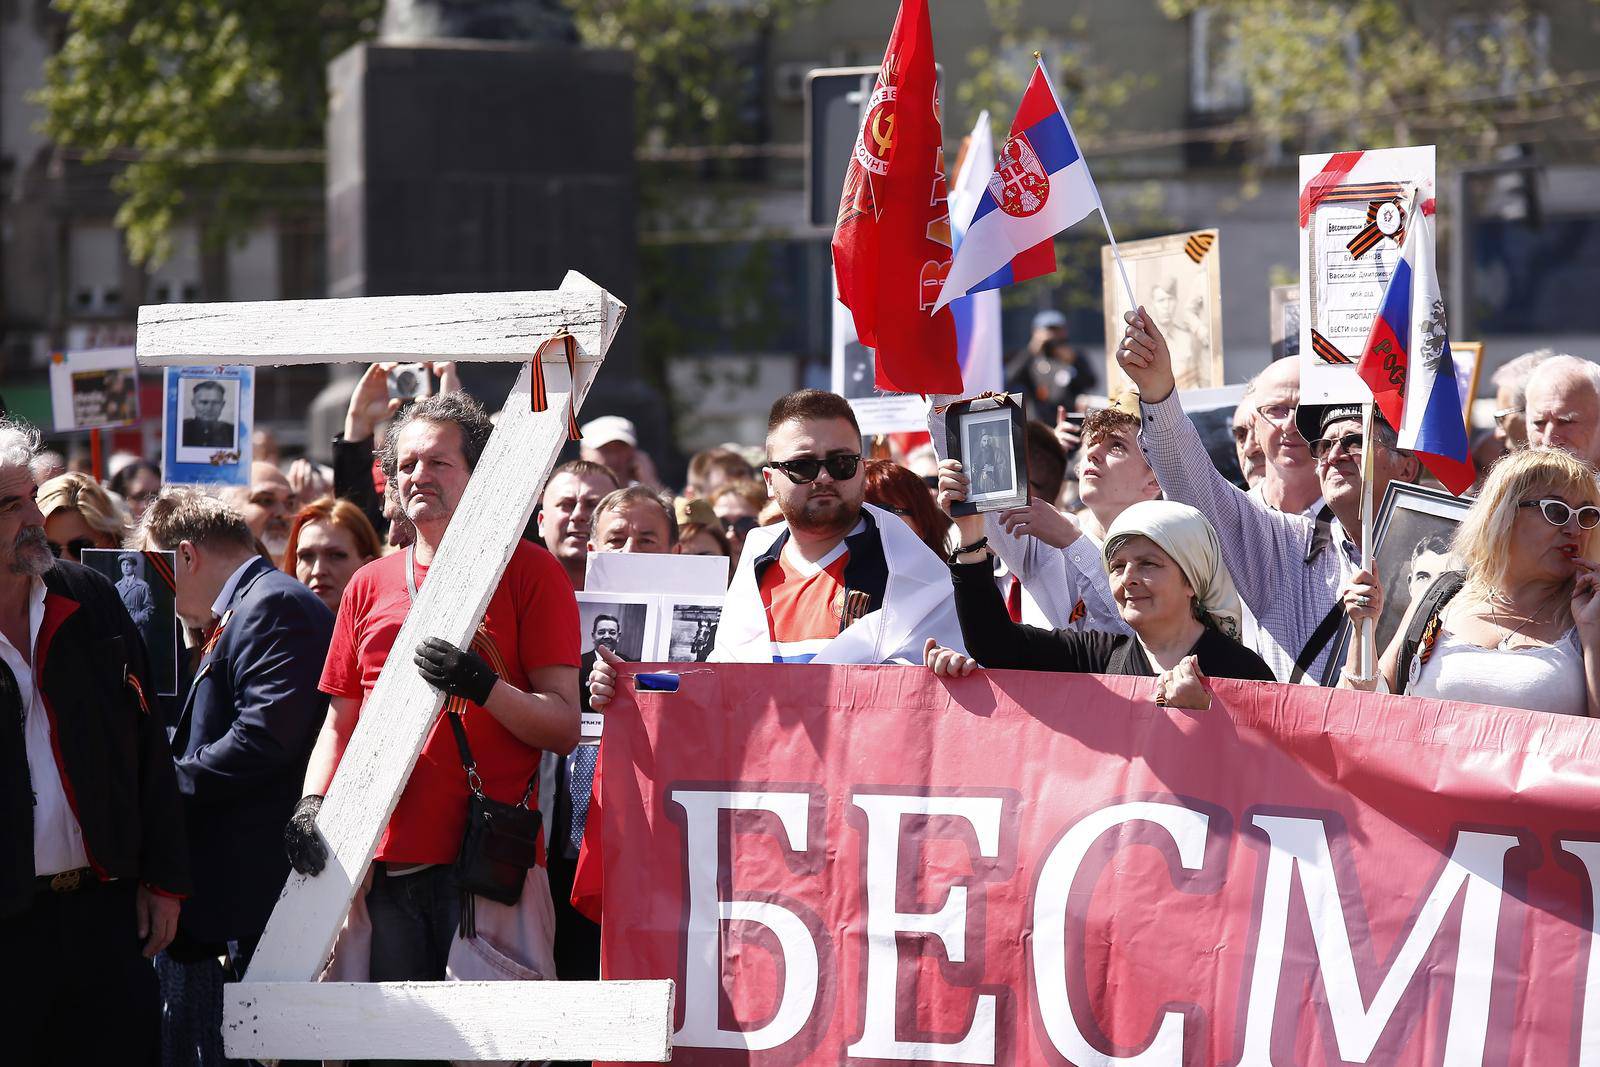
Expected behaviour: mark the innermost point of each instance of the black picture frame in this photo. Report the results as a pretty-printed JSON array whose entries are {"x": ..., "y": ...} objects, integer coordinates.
[
  {"x": 988, "y": 436},
  {"x": 148, "y": 589},
  {"x": 1412, "y": 517}
]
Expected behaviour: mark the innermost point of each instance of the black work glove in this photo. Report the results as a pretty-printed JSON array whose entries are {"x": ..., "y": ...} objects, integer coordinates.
[
  {"x": 308, "y": 853},
  {"x": 458, "y": 672}
]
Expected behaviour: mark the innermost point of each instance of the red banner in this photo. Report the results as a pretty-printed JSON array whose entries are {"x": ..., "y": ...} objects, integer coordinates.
[{"x": 867, "y": 863}]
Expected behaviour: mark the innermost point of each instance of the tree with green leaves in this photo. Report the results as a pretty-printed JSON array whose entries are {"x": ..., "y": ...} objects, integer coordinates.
[
  {"x": 216, "y": 108},
  {"x": 1379, "y": 73}
]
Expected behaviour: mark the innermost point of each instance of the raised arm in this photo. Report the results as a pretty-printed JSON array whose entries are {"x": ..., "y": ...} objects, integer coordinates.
[{"x": 1258, "y": 543}]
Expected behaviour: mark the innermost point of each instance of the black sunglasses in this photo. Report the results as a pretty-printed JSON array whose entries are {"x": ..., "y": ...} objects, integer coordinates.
[
  {"x": 841, "y": 467},
  {"x": 73, "y": 548},
  {"x": 1559, "y": 512},
  {"x": 1323, "y": 447}
]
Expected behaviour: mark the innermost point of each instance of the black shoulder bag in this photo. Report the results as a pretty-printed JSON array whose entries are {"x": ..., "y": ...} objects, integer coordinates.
[
  {"x": 1416, "y": 648},
  {"x": 501, "y": 842}
]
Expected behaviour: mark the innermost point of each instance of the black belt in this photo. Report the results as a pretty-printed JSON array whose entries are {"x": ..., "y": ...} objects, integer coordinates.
[{"x": 66, "y": 881}]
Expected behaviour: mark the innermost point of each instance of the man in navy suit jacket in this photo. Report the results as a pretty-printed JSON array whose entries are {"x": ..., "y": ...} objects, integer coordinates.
[{"x": 250, "y": 718}]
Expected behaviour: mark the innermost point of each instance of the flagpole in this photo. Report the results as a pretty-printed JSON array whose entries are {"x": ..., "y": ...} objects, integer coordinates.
[
  {"x": 1367, "y": 631},
  {"x": 1116, "y": 253}
]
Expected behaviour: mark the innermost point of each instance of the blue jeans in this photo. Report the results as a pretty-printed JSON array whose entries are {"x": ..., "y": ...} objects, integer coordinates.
[{"x": 414, "y": 919}]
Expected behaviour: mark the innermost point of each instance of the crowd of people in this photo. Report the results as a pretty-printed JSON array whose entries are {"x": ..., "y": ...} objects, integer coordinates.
[{"x": 143, "y": 827}]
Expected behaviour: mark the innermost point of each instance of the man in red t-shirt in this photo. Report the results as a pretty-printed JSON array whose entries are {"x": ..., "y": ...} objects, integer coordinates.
[{"x": 525, "y": 702}]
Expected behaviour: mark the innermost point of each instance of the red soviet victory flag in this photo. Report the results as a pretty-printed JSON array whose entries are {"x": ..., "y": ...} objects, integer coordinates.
[{"x": 892, "y": 244}]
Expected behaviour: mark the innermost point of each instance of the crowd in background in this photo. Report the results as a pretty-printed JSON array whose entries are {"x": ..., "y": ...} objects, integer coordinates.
[{"x": 1135, "y": 555}]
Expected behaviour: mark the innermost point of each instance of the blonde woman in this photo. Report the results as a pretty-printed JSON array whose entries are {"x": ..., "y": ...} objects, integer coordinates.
[
  {"x": 78, "y": 514},
  {"x": 1519, "y": 626}
]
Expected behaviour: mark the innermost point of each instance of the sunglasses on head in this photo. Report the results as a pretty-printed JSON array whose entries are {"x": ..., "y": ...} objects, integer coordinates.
[
  {"x": 1559, "y": 512},
  {"x": 73, "y": 548},
  {"x": 1353, "y": 443},
  {"x": 841, "y": 467}
]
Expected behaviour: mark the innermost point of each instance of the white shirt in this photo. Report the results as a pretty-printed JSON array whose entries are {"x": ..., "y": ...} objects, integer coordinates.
[
  {"x": 1548, "y": 678},
  {"x": 57, "y": 838}
]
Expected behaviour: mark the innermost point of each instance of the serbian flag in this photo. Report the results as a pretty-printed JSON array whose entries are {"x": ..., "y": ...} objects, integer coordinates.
[
  {"x": 892, "y": 244},
  {"x": 1407, "y": 362},
  {"x": 1040, "y": 186}
]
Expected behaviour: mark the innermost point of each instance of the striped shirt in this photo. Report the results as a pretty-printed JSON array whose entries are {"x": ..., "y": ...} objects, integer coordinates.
[{"x": 1286, "y": 575}]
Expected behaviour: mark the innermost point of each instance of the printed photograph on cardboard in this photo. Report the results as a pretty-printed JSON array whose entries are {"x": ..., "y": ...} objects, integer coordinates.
[
  {"x": 617, "y": 624},
  {"x": 693, "y": 632},
  {"x": 94, "y": 389},
  {"x": 205, "y": 428},
  {"x": 1177, "y": 279},
  {"x": 147, "y": 585}
]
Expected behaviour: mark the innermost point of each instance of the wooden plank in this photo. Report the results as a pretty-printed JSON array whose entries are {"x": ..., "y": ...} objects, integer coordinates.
[
  {"x": 501, "y": 327},
  {"x": 625, "y": 1021},
  {"x": 402, "y": 707}
]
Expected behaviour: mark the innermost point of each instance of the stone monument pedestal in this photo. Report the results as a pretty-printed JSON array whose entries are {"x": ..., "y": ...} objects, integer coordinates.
[{"x": 460, "y": 166}]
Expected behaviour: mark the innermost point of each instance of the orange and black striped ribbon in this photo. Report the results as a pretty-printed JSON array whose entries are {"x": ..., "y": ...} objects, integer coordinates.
[
  {"x": 163, "y": 569},
  {"x": 1362, "y": 193},
  {"x": 540, "y": 397},
  {"x": 485, "y": 647},
  {"x": 1198, "y": 245},
  {"x": 1370, "y": 235},
  {"x": 1327, "y": 351}
]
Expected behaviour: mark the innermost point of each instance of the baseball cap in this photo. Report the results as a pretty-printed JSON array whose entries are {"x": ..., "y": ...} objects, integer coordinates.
[
  {"x": 1312, "y": 419},
  {"x": 606, "y": 429},
  {"x": 1048, "y": 319}
]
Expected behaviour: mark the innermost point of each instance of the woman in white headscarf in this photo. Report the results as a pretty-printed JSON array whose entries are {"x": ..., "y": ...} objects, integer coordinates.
[{"x": 1171, "y": 588}]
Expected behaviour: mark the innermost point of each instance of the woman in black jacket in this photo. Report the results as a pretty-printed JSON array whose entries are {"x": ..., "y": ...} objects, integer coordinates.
[{"x": 1171, "y": 587}]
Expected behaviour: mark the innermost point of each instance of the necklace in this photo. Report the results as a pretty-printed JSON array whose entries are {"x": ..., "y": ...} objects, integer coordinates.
[{"x": 1494, "y": 600}]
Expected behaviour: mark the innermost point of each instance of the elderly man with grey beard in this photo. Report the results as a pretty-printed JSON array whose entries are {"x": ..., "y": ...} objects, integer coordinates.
[{"x": 94, "y": 860}]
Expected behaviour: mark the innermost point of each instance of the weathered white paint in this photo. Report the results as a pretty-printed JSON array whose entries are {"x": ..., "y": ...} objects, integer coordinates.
[
  {"x": 278, "y": 1011},
  {"x": 627, "y": 1021},
  {"x": 503, "y": 327}
]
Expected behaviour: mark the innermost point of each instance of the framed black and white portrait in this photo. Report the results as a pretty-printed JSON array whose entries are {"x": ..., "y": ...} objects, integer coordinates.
[
  {"x": 147, "y": 585},
  {"x": 210, "y": 416},
  {"x": 986, "y": 435},
  {"x": 1411, "y": 540}
]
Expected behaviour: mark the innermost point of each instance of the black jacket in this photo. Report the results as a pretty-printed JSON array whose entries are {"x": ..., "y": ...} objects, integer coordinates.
[
  {"x": 241, "y": 745},
  {"x": 998, "y": 643},
  {"x": 111, "y": 748}
]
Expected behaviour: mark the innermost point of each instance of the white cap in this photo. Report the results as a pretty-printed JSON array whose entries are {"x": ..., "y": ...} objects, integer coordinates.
[{"x": 606, "y": 429}]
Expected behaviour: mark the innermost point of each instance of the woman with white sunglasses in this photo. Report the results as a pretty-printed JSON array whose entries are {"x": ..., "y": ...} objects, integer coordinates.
[{"x": 1519, "y": 626}]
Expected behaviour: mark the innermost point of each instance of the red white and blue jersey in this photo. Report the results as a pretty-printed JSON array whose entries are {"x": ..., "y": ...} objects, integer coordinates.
[{"x": 804, "y": 602}]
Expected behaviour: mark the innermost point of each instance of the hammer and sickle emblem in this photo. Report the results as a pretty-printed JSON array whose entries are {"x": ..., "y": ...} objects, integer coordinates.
[{"x": 883, "y": 131}]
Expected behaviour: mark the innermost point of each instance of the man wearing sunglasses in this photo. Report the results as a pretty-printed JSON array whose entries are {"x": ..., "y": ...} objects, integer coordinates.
[
  {"x": 839, "y": 581},
  {"x": 1511, "y": 398},
  {"x": 1288, "y": 568}
]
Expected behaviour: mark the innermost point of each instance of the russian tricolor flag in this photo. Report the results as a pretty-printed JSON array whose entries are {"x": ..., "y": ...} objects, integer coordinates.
[
  {"x": 1407, "y": 363},
  {"x": 977, "y": 317},
  {"x": 1040, "y": 186}
]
